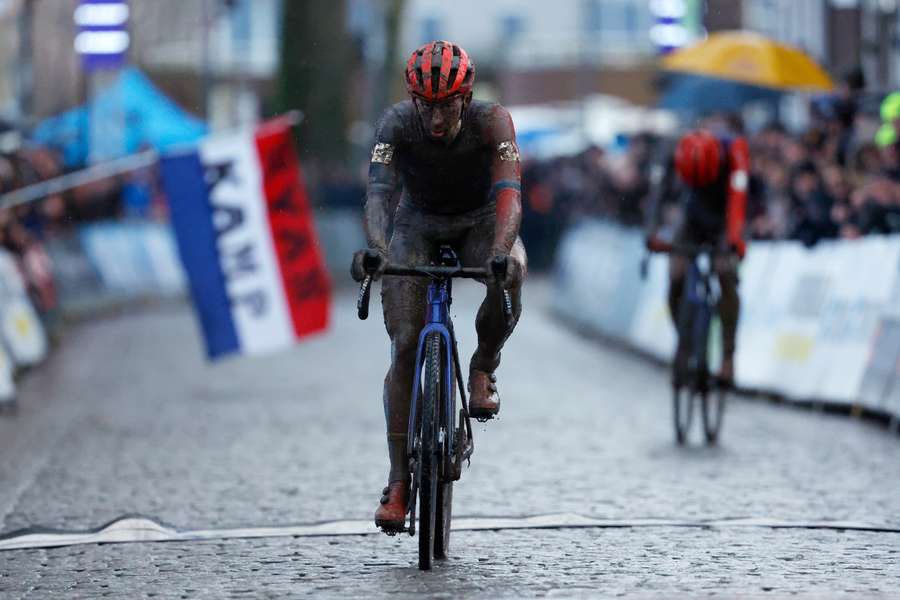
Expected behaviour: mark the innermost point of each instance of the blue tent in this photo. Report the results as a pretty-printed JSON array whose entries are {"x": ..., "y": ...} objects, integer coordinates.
[
  {"x": 696, "y": 94},
  {"x": 149, "y": 118}
]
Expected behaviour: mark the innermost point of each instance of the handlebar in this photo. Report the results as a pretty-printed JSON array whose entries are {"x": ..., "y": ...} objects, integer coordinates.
[
  {"x": 371, "y": 263},
  {"x": 433, "y": 271},
  {"x": 691, "y": 251}
]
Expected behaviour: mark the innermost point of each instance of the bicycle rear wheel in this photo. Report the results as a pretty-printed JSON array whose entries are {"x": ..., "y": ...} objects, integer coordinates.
[
  {"x": 683, "y": 376},
  {"x": 429, "y": 454},
  {"x": 442, "y": 519},
  {"x": 713, "y": 411},
  {"x": 712, "y": 397},
  {"x": 682, "y": 411}
]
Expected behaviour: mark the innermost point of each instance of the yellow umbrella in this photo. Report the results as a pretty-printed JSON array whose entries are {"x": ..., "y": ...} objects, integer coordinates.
[{"x": 750, "y": 58}]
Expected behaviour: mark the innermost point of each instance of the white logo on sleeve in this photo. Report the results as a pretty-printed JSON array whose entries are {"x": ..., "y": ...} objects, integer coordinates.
[
  {"x": 508, "y": 151},
  {"x": 739, "y": 180},
  {"x": 383, "y": 153}
]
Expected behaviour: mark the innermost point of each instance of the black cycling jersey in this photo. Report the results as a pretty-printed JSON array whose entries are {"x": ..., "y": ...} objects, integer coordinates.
[{"x": 442, "y": 178}]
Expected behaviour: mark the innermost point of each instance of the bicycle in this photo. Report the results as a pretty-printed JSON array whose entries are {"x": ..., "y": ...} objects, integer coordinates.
[
  {"x": 438, "y": 443},
  {"x": 692, "y": 380}
]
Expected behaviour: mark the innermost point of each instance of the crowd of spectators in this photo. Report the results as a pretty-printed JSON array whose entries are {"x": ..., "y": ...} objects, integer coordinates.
[
  {"x": 825, "y": 183},
  {"x": 831, "y": 180},
  {"x": 27, "y": 227}
]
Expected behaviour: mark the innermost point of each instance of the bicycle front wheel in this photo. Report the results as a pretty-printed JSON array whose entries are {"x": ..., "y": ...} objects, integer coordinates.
[
  {"x": 445, "y": 485},
  {"x": 429, "y": 453}
]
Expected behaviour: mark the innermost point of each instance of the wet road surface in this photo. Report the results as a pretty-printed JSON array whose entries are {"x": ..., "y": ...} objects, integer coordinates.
[{"x": 126, "y": 417}]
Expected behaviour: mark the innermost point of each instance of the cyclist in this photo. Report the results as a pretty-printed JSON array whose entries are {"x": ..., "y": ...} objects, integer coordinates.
[
  {"x": 455, "y": 163},
  {"x": 713, "y": 169}
]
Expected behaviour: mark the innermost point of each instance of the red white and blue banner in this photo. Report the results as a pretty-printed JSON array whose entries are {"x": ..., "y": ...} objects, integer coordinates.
[{"x": 246, "y": 236}]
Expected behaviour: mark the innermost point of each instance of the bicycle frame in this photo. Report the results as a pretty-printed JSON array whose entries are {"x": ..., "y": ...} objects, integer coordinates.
[
  {"x": 456, "y": 443},
  {"x": 702, "y": 293},
  {"x": 702, "y": 286}
]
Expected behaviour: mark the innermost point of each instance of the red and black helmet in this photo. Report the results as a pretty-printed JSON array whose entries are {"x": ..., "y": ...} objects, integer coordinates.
[
  {"x": 439, "y": 70},
  {"x": 698, "y": 158}
]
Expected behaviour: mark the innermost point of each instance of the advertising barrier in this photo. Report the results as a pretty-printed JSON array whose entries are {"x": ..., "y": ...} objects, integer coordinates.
[
  {"x": 23, "y": 334},
  {"x": 817, "y": 324},
  {"x": 134, "y": 258},
  {"x": 23, "y": 342},
  {"x": 105, "y": 263}
]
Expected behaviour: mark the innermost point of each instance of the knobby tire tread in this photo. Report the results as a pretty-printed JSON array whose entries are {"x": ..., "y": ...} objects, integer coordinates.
[{"x": 429, "y": 455}]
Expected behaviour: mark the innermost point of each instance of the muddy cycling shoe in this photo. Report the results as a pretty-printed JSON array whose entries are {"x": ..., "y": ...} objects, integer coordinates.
[
  {"x": 391, "y": 514},
  {"x": 484, "y": 401}
]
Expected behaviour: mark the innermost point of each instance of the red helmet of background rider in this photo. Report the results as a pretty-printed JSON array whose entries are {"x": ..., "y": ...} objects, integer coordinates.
[
  {"x": 698, "y": 158},
  {"x": 439, "y": 70}
]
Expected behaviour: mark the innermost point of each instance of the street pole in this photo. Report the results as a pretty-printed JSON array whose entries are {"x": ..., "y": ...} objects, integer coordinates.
[
  {"x": 580, "y": 76},
  {"x": 25, "y": 70},
  {"x": 205, "y": 67}
]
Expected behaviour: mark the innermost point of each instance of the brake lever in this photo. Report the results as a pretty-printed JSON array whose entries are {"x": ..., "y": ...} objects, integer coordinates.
[
  {"x": 370, "y": 265},
  {"x": 362, "y": 303}
]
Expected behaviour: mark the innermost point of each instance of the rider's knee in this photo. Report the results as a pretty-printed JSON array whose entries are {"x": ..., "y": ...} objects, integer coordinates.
[{"x": 404, "y": 338}]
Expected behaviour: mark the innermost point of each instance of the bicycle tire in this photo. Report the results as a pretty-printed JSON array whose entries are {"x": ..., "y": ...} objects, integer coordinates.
[
  {"x": 682, "y": 381},
  {"x": 445, "y": 483},
  {"x": 713, "y": 414},
  {"x": 712, "y": 400},
  {"x": 442, "y": 519},
  {"x": 429, "y": 454},
  {"x": 683, "y": 411}
]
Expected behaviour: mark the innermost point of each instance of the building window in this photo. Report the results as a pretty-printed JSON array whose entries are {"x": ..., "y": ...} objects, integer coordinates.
[
  {"x": 631, "y": 18},
  {"x": 431, "y": 29},
  {"x": 511, "y": 26},
  {"x": 621, "y": 16}
]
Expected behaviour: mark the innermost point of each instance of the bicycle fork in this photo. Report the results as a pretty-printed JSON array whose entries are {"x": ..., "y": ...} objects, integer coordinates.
[{"x": 703, "y": 298}]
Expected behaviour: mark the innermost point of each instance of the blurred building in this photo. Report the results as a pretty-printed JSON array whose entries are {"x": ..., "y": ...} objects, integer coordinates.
[
  {"x": 217, "y": 58},
  {"x": 801, "y": 23},
  {"x": 9, "y": 71},
  {"x": 543, "y": 51},
  {"x": 838, "y": 33}
]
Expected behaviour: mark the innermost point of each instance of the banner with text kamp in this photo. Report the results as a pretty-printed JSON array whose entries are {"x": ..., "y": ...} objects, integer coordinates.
[{"x": 247, "y": 238}]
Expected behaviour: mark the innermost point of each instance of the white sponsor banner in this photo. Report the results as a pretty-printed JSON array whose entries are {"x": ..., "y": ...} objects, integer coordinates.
[
  {"x": 21, "y": 329},
  {"x": 134, "y": 258},
  {"x": 652, "y": 330},
  {"x": 7, "y": 386},
  {"x": 23, "y": 332},
  {"x": 816, "y": 323},
  {"x": 756, "y": 338}
]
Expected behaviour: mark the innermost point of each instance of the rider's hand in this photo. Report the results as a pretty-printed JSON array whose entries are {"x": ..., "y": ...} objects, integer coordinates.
[
  {"x": 357, "y": 268},
  {"x": 514, "y": 275},
  {"x": 654, "y": 244},
  {"x": 739, "y": 247}
]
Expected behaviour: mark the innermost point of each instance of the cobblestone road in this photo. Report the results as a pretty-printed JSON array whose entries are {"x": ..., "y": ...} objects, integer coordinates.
[{"x": 127, "y": 418}]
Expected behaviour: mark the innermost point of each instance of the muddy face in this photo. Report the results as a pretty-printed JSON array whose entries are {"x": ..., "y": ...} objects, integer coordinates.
[{"x": 441, "y": 120}]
